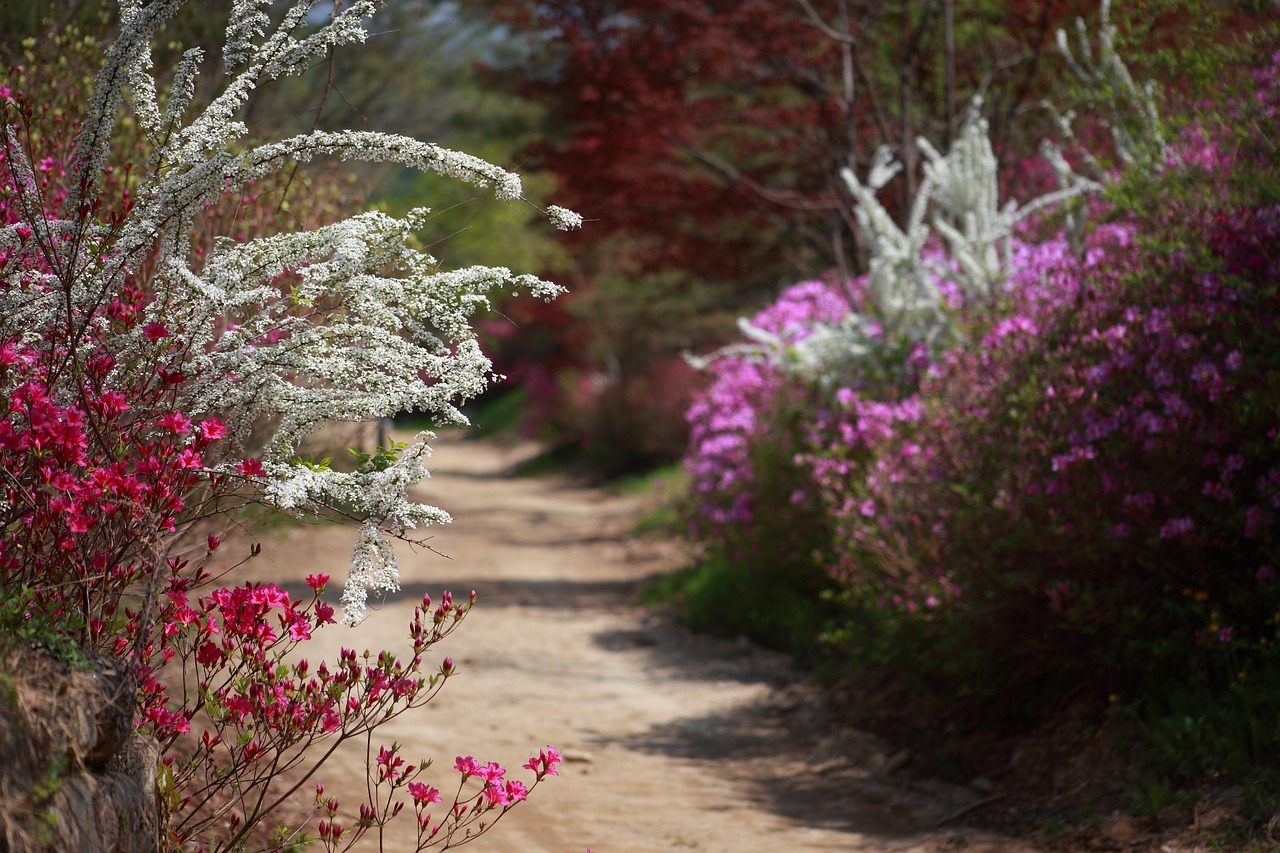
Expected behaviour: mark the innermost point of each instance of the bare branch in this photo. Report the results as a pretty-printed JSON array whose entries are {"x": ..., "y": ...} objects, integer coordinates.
[{"x": 791, "y": 199}]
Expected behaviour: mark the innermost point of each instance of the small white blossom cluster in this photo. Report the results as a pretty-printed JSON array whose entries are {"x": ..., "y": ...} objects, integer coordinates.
[
  {"x": 373, "y": 569},
  {"x": 347, "y": 322},
  {"x": 565, "y": 220}
]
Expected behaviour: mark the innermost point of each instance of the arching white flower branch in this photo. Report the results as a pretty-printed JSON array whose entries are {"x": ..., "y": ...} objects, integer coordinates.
[
  {"x": 958, "y": 199},
  {"x": 279, "y": 334},
  {"x": 961, "y": 188}
]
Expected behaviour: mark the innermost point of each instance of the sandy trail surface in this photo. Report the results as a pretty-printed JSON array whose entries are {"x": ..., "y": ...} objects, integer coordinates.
[{"x": 673, "y": 741}]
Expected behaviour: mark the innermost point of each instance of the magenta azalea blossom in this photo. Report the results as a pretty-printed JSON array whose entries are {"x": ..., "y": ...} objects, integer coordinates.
[{"x": 423, "y": 793}]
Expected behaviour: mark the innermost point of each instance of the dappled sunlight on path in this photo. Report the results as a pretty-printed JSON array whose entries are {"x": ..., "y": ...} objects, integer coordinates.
[{"x": 672, "y": 741}]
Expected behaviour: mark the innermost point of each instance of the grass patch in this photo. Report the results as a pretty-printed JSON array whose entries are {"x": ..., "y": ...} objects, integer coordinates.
[
  {"x": 664, "y": 488},
  {"x": 25, "y": 621},
  {"x": 724, "y": 597},
  {"x": 667, "y": 481},
  {"x": 664, "y": 519},
  {"x": 497, "y": 413}
]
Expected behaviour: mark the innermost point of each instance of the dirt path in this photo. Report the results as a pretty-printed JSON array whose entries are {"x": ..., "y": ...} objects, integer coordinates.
[{"x": 673, "y": 741}]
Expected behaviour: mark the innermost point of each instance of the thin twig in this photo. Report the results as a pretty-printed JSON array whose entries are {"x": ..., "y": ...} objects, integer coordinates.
[
  {"x": 784, "y": 198},
  {"x": 964, "y": 810}
]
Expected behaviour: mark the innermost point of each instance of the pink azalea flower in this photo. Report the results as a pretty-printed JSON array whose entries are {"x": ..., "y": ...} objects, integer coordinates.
[
  {"x": 324, "y": 614},
  {"x": 211, "y": 429},
  {"x": 175, "y": 422},
  {"x": 424, "y": 793},
  {"x": 544, "y": 763},
  {"x": 492, "y": 773},
  {"x": 497, "y": 796},
  {"x": 390, "y": 762},
  {"x": 189, "y": 458}
]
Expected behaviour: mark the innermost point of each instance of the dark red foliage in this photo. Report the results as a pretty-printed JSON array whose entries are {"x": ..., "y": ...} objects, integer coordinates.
[{"x": 710, "y": 134}]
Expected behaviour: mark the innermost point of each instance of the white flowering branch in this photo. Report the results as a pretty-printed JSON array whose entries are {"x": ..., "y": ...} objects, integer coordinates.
[
  {"x": 1135, "y": 119},
  {"x": 958, "y": 200},
  {"x": 962, "y": 190},
  {"x": 280, "y": 334}
]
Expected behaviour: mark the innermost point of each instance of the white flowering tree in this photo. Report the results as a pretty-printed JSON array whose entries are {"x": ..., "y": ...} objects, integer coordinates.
[
  {"x": 275, "y": 335},
  {"x": 958, "y": 230},
  {"x": 150, "y": 379}
]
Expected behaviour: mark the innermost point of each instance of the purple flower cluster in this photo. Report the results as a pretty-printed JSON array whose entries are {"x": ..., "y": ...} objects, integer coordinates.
[
  {"x": 731, "y": 412},
  {"x": 1106, "y": 428}
]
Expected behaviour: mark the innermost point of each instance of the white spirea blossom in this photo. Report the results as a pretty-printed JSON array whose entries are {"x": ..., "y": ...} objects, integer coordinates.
[
  {"x": 1137, "y": 133},
  {"x": 565, "y": 220},
  {"x": 958, "y": 200},
  {"x": 373, "y": 569},
  {"x": 368, "y": 326},
  {"x": 961, "y": 189}
]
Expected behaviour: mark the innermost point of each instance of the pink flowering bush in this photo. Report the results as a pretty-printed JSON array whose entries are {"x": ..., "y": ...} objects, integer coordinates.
[
  {"x": 758, "y": 514},
  {"x": 726, "y": 418},
  {"x": 1072, "y": 490},
  {"x": 263, "y": 715},
  {"x": 1107, "y": 451},
  {"x": 1086, "y": 496},
  {"x": 156, "y": 376}
]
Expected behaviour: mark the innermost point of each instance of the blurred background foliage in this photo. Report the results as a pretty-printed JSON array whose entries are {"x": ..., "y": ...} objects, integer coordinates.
[{"x": 702, "y": 141}]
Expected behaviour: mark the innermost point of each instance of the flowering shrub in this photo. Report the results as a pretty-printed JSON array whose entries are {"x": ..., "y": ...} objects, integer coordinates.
[
  {"x": 757, "y": 513},
  {"x": 1091, "y": 468},
  {"x": 1070, "y": 482},
  {"x": 154, "y": 377},
  {"x": 1116, "y": 457},
  {"x": 259, "y": 718},
  {"x": 725, "y": 418},
  {"x": 837, "y": 368}
]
